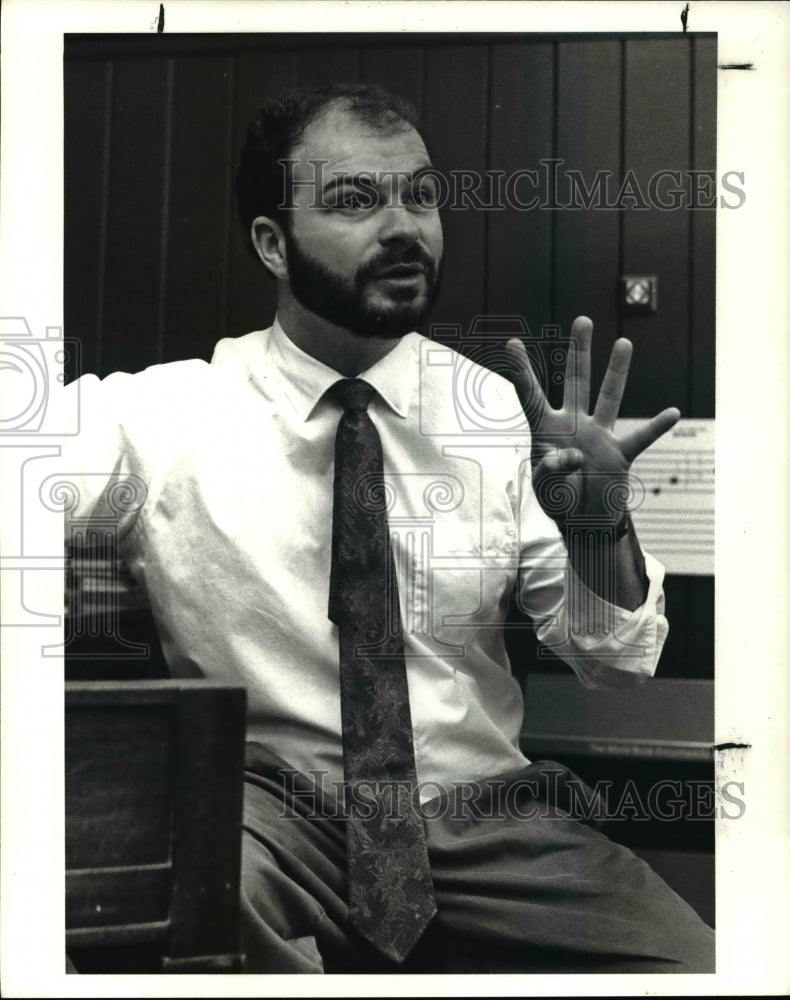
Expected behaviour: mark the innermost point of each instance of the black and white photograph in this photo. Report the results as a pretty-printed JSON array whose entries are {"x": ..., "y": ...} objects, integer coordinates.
[{"x": 382, "y": 585}]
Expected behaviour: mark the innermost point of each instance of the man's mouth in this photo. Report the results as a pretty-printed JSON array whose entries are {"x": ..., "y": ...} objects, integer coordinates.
[{"x": 402, "y": 272}]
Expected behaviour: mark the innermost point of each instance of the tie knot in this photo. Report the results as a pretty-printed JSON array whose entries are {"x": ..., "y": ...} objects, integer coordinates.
[{"x": 353, "y": 393}]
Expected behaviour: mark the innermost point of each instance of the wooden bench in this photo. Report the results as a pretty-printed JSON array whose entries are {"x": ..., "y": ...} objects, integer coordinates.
[{"x": 153, "y": 785}]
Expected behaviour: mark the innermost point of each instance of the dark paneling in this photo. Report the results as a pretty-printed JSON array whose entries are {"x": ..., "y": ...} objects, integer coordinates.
[
  {"x": 456, "y": 88},
  {"x": 702, "y": 299},
  {"x": 587, "y": 242},
  {"x": 396, "y": 68},
  {"x": 199, "y": 207},
  {"x": 88, "y": 95},
  {"x": 657, "y": 121},
  {"x": 321, "y": 66},
  {"x": 519, "y": 247},
  {"x": 131, "y": 338},
  {"x": 251, "y": 296},
  {"x": 672, "y": 358}
]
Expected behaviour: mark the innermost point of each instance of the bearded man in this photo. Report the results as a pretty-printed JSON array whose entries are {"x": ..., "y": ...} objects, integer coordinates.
[{"x": 324, "y": 524}]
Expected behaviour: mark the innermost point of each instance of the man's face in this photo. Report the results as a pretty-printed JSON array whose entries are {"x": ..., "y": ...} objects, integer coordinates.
[{"x": 364, "y": 243}]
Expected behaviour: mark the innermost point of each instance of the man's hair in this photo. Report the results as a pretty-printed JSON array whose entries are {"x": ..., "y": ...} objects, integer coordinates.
[{"x": 262, "y": 182}]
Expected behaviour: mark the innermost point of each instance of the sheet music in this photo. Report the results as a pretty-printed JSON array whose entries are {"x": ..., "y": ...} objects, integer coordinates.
[{"x": 674, "y": 508}]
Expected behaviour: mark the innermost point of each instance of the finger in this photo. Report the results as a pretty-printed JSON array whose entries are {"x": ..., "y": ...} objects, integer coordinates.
[
  {"x": 576, "y": 396},
  {"x": 613, "y": 385},
  {"x": 637, "y": 441},
  {"x": 527, "y": 384},
  {"x": 556, "y": 491},
  {"x": 559, "y": 460}
]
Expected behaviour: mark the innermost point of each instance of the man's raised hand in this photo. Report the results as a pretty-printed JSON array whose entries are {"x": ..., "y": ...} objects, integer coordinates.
[{"x": 573, "y": 449}]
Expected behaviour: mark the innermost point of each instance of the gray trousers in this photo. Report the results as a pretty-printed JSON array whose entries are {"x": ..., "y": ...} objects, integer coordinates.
[{"x": 521, "y": 885}]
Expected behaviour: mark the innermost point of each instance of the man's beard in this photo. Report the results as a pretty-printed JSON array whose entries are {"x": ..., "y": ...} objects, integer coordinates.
[{"x": 343, "y": 302}]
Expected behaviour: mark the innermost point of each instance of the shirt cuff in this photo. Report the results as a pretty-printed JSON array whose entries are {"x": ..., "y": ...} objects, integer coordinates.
[{"x": 608, "y": 646}]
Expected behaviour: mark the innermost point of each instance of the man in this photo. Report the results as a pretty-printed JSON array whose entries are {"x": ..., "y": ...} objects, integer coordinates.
[{"x": 319, "y": 518}]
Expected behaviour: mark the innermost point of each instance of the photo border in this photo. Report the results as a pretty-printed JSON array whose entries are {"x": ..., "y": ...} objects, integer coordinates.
[{"x": 752, "y": 696}]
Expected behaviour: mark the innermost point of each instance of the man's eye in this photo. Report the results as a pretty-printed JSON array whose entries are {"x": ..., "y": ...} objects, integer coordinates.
[
  {"x": 425, "y": 193},
  {"x": 352, "y": 201}
]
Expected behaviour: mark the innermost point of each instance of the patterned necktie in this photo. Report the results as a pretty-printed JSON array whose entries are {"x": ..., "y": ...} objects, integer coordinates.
[{"x": 391, "y": 898}]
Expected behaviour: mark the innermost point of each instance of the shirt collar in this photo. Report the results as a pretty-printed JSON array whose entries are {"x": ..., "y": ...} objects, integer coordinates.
[{"x": 305, "y": 379}]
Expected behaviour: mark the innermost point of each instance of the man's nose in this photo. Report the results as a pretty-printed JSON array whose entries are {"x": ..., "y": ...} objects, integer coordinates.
[{"x": 398, "y": 224}]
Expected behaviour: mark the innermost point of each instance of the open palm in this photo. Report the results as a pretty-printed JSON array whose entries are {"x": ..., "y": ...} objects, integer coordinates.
[{"x": 579, "y": 467}]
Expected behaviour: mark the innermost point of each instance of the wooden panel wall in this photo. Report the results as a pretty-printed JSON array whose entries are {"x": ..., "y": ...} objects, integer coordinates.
[{"x": 157, "y": 267}]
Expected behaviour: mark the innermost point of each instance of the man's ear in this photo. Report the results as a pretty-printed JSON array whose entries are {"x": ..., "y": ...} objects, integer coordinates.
[{"x": 268, "y": 239}]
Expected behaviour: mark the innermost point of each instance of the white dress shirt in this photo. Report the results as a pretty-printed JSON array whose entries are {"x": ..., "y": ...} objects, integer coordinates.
[{"x": 230, "y": 537}]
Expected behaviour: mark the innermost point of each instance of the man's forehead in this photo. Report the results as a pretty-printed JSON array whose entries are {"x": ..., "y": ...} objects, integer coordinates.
[{"x": 347, "y": 144}]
